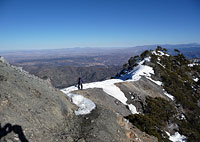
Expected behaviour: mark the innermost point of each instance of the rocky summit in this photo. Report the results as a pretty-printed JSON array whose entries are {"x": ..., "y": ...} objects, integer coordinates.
[
  {"x": 156, "y": 97},
  {"x": 32, "y": 110}
]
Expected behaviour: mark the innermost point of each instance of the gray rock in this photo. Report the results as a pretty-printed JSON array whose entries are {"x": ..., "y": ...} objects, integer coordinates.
[
  {"x": 137, "y": 91},
  {"x": 31, "y": 103}
]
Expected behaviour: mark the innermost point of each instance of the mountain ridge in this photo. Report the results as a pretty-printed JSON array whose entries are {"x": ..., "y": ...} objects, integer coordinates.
[
  {"x": 154, "y": 98},
  {"x": 175, "y": 110},
  {"x": 32, "y": 110}
]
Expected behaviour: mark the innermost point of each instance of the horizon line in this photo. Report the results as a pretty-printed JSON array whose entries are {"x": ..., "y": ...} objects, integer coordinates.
[{"x": 108, "y": 47}]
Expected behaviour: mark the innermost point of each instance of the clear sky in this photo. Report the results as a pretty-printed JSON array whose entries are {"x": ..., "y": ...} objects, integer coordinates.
[{"x": 45, "y": 24}]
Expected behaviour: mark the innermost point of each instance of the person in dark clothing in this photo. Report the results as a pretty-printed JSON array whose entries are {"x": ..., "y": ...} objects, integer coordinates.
[{"x": 80, "y": 83}]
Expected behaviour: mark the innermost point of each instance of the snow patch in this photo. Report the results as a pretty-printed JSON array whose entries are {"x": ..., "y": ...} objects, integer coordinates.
[
  {"x": 138, "y": 71},
  {"x": 168, "y": 95},
  {"x": 132, "y": 109},
  {"x": 196, "y": 79},
  {"x": 159, "y": 53},
  {"x": 182, "y": 117},
  {"x": 176, "y": 137},
  {"x": 159, "y": 83},
  {"x": 85, "y": 105},
  {"x": 161, "y": 64},
  {"x": 193, "y": 64},
  {"x": 163, "y": 54},
  {"x": 141, "y": 70}
]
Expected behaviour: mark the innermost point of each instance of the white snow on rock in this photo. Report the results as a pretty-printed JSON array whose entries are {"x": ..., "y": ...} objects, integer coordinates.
[
  {"x": 160, "y": 53},
  {"x": 140, "y": 70},
  {"x": 168, "y": 95},
  {"x": 190, "y": 65},
  {"x": 196, "y": 79},
  {"x": 159, "y": 83},
  {"x": 85, "y": 105},
  {"x": 161, "y": 64},
  {"x": 132, "y": 109},
  {"x": 182, "y": 117},
  {"x": 193, "y": 64},
  {"x": 176, "y": 137}
]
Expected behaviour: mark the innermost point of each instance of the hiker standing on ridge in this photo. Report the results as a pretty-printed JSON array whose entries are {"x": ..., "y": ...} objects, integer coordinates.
[{"x": 80, "y": 83}]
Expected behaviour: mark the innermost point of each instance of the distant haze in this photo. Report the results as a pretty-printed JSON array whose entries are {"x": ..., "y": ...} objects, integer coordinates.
[{"x": 111, "y": 55}]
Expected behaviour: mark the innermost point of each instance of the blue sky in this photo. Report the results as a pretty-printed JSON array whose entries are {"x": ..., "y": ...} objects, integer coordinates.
[{"x": 48, "y": 24}]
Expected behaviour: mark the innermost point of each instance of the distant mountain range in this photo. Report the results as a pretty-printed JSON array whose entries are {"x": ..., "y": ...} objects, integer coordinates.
[{"x": 190, "y": 50}]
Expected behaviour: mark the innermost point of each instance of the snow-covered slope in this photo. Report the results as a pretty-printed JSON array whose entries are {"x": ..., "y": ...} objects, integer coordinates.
[
  {"x": 138, "y": 71},
  {"x": 176, "y": 137},
  {"x": 110, "y": 88}
]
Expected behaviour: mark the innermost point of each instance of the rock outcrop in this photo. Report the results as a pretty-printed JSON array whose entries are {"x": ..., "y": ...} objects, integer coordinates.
[{"x": 30, "y": 103}]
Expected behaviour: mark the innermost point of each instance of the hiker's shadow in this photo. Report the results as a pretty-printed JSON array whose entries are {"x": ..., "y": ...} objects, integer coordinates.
[{"x": 8, "y": 128}]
